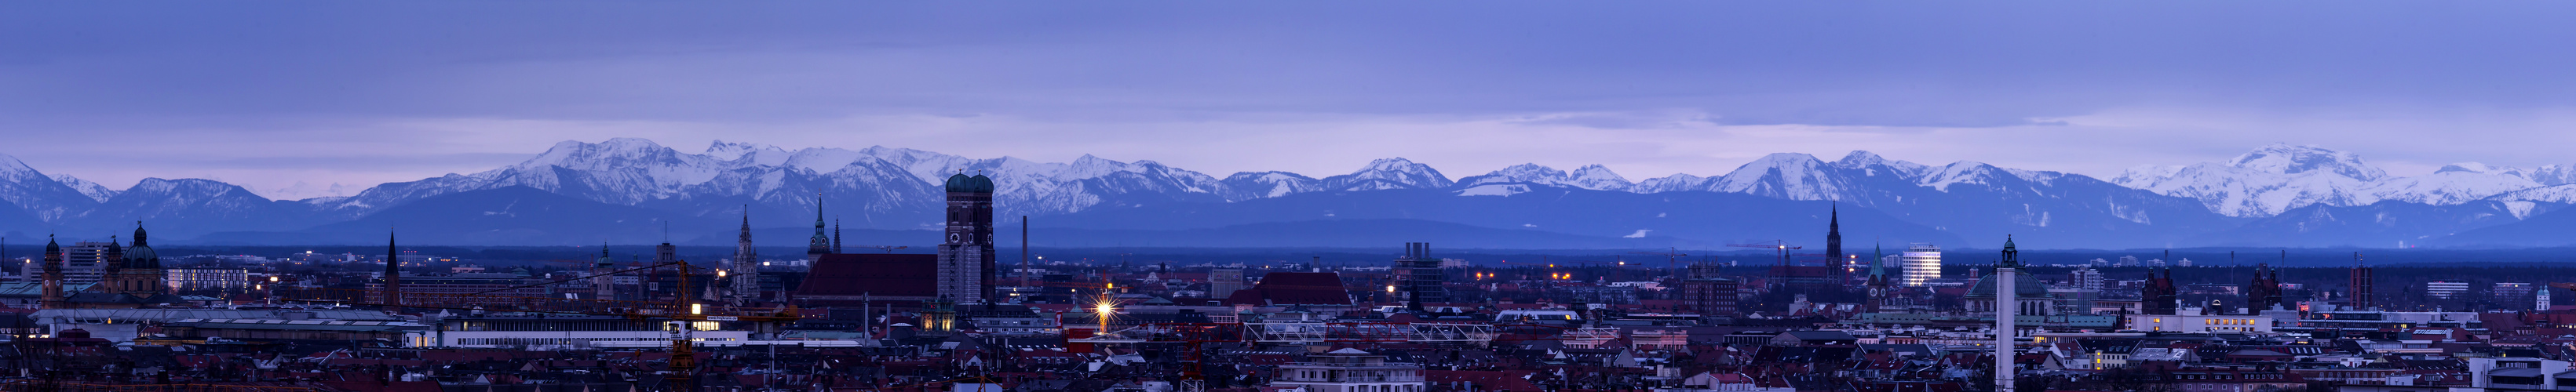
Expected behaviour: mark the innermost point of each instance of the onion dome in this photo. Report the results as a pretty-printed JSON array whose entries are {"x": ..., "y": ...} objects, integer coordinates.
[{"x": 975, "y": 184}]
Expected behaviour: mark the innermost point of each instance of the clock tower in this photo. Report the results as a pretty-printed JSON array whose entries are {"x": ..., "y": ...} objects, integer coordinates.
[{"x": 966, "y": 258}]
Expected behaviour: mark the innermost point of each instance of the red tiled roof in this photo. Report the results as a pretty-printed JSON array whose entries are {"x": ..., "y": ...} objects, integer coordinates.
[{"x": 875, "y": 274}]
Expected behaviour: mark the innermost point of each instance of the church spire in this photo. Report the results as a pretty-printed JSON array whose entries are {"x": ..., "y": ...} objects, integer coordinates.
[
  {"x": 393, "y": 272},
  {"x": 1877, "y": 260},
  {"x": 822, "y": 242},
  {"x": 1834, "y": 258}
]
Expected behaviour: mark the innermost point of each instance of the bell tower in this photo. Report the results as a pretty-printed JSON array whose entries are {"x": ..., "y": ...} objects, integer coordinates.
[{"x": 966, "y": 258}]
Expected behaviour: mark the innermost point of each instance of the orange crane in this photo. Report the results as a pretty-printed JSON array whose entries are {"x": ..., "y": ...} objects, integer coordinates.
[{"x": 683, "y": 313}]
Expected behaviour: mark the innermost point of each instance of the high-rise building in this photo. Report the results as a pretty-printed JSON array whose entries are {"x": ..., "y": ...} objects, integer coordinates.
[
  {"x": 88, "y": 262},
  {"x": 1922, "y": 264},
  {"x": 1420, "y": 276},
  {"x": 1222, "y": 282},
  {"x": 2360, "y": 297},
  {"x": 966, "y": 259},
  {"x": 2086, "y": 279},
  {"x": 2126, "y": 261},
  {"x": 1710, "y": 295},
  {"x": 2445, "y": 290}
]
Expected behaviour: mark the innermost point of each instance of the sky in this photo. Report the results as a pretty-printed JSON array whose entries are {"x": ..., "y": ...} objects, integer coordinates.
[{"x": 274, "y": 94}]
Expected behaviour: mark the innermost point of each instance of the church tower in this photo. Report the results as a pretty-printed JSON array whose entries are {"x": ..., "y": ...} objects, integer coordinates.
[
  {"x": 1836, "y": 270},
  {"x": 745, "y": 265},
  {"x": 966, "y": 259},
  {"x": 53, "y": 295},
  {"x": 1878, "y": 285},
  {"x": 821, "y": 244}
]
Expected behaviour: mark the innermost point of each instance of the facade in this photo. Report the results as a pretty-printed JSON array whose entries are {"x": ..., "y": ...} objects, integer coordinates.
[
  {"x": 218, "y": 279},
  {"x": 1710, "y": 296},
  {"x": 87, "y": 262},
  {"x": 2158, "y": 296},
  {"x": 966, "y": 259},
  {"x": 494, "y": 285},
  {"x": 1222, "y": 282},
  {"x": 2445, "y": 290},
  {"x": 1419, "y": 276},
  {"x": 1922, "y": 264},
  {"x": 2204, "y": 323},
  {"x": 2264, "y": 292},
  {"x": 562, "y": 332},
  {"x": 2509, "y": 292},
  {"x": 1351, "y": 370}
]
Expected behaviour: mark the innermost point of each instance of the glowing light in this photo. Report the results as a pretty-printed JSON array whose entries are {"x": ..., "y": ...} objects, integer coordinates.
[
  {"x": 720, "y": 273},
  {"x": 1390, "y": 288},
  {"x": 697, "y": 308}
]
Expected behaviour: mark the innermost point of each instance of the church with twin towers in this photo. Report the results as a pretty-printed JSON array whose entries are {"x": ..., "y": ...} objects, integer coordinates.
[{"x": 962, "y": 270}]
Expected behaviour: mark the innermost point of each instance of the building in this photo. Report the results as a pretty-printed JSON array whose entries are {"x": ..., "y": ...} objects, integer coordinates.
[
  {"x": 564, "y": 332},
  {"x": 2507, "y": 293},
  {"x": 1222, "y": 282},
  {"x": 2444, "y": 289},
  {"x": 2158, "y": 295},
  {"x": 87, "y": 262},
  {"x": 1922, "y": 264},
  {"x": 215, "y": 279},
  {"x": 852, "y": 278},
  {"x": 1418, "y": 274},
  {"x": 2029, "y": 295},
  {"x": 1351, "y": 370},
  {"x": 2360, "y": 296},
  {"x": 2086, "y": 279},
  {"x": 1837, "y": 271},
  {"x": 488, "y": 289},
  {"x": 2200, "y": 323},
  {"x": 2264, "y": 292},
  {"x": 966, "y": 259}
]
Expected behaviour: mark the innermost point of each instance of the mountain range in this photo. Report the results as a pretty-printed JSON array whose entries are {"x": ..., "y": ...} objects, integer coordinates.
[{"x": 627, "y": 190}]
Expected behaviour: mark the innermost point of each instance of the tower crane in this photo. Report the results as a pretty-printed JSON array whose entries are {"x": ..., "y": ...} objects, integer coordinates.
[{"x": 1783, "y": 246}]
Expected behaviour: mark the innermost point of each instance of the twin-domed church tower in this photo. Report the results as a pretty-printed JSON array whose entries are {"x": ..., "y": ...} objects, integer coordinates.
[{"x": 966, "y": 258}]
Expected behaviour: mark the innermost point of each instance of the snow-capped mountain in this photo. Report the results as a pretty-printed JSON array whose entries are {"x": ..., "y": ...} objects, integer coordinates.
[
  {"x": 899, "y": 189},
  {"x": 2281, "y": 177}
]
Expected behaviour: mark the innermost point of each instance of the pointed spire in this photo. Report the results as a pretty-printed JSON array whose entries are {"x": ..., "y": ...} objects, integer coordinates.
[{"x": 1877, "y": 260}]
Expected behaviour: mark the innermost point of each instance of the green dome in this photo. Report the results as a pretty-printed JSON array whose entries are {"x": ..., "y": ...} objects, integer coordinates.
[
  {"x": 141, "y": 255},
  {"x": 2024, "y": 286},
  {"x": 976, "y": 184}
]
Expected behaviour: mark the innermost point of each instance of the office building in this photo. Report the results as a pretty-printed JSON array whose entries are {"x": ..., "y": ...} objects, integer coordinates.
[
  {"x": 2444, "y": 289},
  {"x": 1922, "y": 264}
]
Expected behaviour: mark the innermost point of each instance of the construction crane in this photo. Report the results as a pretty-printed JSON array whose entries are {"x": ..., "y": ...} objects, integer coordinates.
[
  {"x": 682, "y": 313},
  {"x": 1783, "y": 246},
  {"x": 1672, "y": 259}
]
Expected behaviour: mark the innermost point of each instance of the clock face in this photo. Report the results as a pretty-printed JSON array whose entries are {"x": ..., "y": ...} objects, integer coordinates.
[{"x": 954, "y": 237}]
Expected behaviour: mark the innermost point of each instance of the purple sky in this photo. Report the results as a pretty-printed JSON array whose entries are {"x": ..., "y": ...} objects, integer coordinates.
[{"x": 273, "y": 93}]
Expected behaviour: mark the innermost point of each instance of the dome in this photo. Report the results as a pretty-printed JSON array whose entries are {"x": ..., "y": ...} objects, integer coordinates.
[
  {"x": 141, "y": 255},
  {"x": 976, "y": 184},
  {"x": 2024, "y": 287}
]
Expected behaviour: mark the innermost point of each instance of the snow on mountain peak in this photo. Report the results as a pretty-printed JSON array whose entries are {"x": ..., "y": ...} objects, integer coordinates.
[
  {"x": 93, "y": 190},
  {"x": 1593, "y": 177},
  {"x": 1389, "y": 173},
  {"x": 723, "y": 150},
  {"x": 2284, "y": 158}
]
